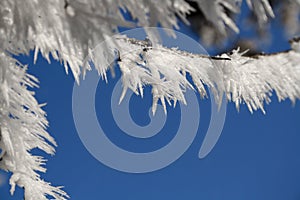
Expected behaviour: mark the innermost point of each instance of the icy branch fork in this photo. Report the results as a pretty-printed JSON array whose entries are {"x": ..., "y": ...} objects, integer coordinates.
[{"x": 249, "y": 80}]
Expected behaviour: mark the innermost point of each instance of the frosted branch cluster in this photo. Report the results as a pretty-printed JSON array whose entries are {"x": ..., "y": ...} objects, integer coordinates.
[{"x": 68, "y": 30}]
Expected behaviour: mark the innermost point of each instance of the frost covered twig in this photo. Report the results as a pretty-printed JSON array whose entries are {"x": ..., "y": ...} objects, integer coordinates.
[
  {"x": 22, "y": 128},
  {"x": 249, "y": 80}
]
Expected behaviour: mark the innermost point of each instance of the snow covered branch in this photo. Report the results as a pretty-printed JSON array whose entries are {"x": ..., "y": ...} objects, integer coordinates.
[
  {"x": 22, "y": 128},
  {"x": 249, "y": 80}
]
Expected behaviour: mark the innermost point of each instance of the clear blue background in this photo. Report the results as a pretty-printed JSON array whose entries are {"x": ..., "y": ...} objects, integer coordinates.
[{"x": 257, "y": 156}]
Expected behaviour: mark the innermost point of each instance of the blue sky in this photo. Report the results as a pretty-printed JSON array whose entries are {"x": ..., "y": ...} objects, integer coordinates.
[{"x": 257, "y": 156}]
